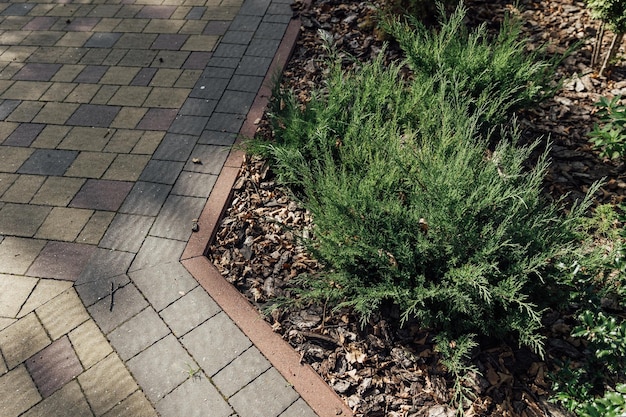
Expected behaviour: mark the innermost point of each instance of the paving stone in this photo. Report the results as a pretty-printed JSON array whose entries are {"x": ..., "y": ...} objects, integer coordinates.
[
  {"x": 86, "y": 139},
  {"x": 11, "y": 158},
  {"x": 133, "y": 96},
  {"x": 126, "y": 167},
  {"x": 156, "y": 250},
  {"x": 45, "y": 290},
  {"x": 4, "y": 323},
  {"x": 50, "y": 137},
  {"x": 252, "y": 65},
  {"x": 224, "y": 122},
  {"x": 209, "y": 88},
  {"x": 225, "y": 62},
  {"x": 204, "y": 43},
  {"x": 157, "y": 119},
  {"x": 17, "y": 392},
  {"x": 189, "y": 311},
  {"x": 241, "y": 37},
  {"x": 175, "y": 147},
  {"x": 188, "y": 125},
  {"x": 18, "y": 9},
  {"x": 24, "y": 134},
  {"x": 169, "y": 41},
  {"x": 193, "y": 184},
  {"x": 61, "y": 260},
  {"x": 127, "y": 302},
  {"x": 163, "y": 284},
  {"x": 166, "y": 97},
  {"x": 63, "y": 224},
  {"x": 106, "y": 384},
  {"x": 198, "y": 107},
  {"x": 102, "y": 40},
  {"x": 14, "y": 291},
  {"x": 68, "y": 401},
  {"x": 103, "y": 268},
  {"x": 128, "y": 118},
  {"x": 263, "y": 47},
  {"x": 246, "y": 83},
  {"x": 254, "y": 7},
  {"x": 268, "y": 30},
  {"x": 90, "y": 164},
  {"x": 137, "y": 405},
  {"x": 102, "y": 97},
  {"x": 93, "y": 115},
  {"x": 136, "y": 41},
  {"x": 95, "y": 227},
  {"x": 213, "y": 72},
  {"x": 83, "y": 93},
  {"x": 57, "y": 191},
  {"x": 164, "y": 172},
  {"x": 54, "y": 366},
  {"x": 25, "y": 112},
  {"x": 267, "y": 396},
  {"x": 126, "y": 232},
  {"x": 138, "y": 333},
  {"x": 161, "y": 367},
  {"x": 26, "y": 90},
  {"x": 144, "y": 76},
  {"x": 211, "y": 137},
  {"x": 62, "y": 314},
  {"x": 235, "y": 102},
  {"x": 90, "y": 344},
  {"x": 23, "y": 189},
  {"x": 217, "y": 27},
  {"x": 91, "y": 74},
  {"x": 58, "y": 92},
  {"x": 207, "y": 401},
  {"x": 22, "y": 339},
  {"x": 241, "y": 371},
  {"x": 21, "y": 219},
  {"x": 55, "y": 113},
  {"x": 212, "y": 159},
  {"x": 7, "y": 107},
  {"x": 245, "y": 23},
  {"x": 176, "y": 217},
  {"x": 197, "y": 60},
  {"x": 146, "y": 198},
  {"x": 215, "y": 343},
  {"x": 298, "y": 409},
  {"x": 16, "y": 254},
  {"x": 138, "y": 58},
  {"x": 73, "y": 39},
  {"x": 48, "y": 162},
  {"x": 102, "y": 195}
]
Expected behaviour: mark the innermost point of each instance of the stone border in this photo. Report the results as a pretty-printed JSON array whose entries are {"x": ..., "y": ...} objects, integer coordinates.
[{"x": 311, "y": 387}]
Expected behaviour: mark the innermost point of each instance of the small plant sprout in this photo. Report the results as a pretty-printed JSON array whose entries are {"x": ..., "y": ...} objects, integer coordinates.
[{"x": 193, "y": 373}]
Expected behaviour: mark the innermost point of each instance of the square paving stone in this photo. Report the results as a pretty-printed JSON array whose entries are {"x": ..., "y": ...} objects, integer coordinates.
[
  {"x": 48, "y": 162},
  {"x": 102, "y": 195},
  {"x": 169, "y": 41},
  {"x": 95, "y": 227},
  {"x": 164, "y": 283},
  {"x": 24, "y": 134},
  {"x": 162, "y": 97},
  {"x": 22, "y": 339},
  {"x": 253, "y": 65},
  {"x": 90, "y": 344},
  {"x": 93, "y": 115},
  {"x": 127, "y": 302},
  {"x": 105, "y": 267},
  {"x": 21, "y": 219},
  {"x": 63, "y": 224},
  {"x": 57, "y": 191},
  {"x": 194, "y": 184},
  {"x": 62, "y": 314},
  {"x": 130, "y": 96},
  {"x": 44, "y": 291},
  {"x": 155, "y": 251},
  {"x": 17, "y": 392},
  {"x": 146, "y": 198},
  {"x": 23, "y": 189},
  {"x": 149, "y": 142},
  {"x": 61, "y": 260},
  {"x": 37, "y": 72},
  {"x": 7, "y": 107},
  {"x": 128, "y": 118},
  {"x": 189, "y": 125},
  {"x": 198, "y": 107},
  {"x": 127, "y": 232},
  {"x": 14, "y": 290},
  {"x": 126, "y": 167},
  {"x": 197, "y": 60},
  {"x": 157, "y": 119},
  {"x": 90, "y": 164},
  {"x": 137, "y": 405},
  {"x": 176, "y": 217},
  {"x": 161, "y": 367},
  {"x": 212, "y": 158},
  {"x": 217, "y": 27},
  {"x": 195, "y": 397},
  {"x": 26, "y": 111},
  {"x": 156, "y": 12},
  {"x": 138, "y": 333},
  {"x": 55, "y": 113},
  {"x": 267, "y": 396},
  {"x": 164, "y": 172},
  {"x": 175, "y": 147},
  {"x": 106, "y": 384},
  {"x": 102, "y": 40},
  {"x": 17, "y": 254},
  {"x": 68, "y": 401},
  {"x": 144, "y": 76},
  {"x": 54, "y": 366},
  {"x": 299, "y": 409},
  {"x": 225, "y": 122},
  {"x": 241, "y": 371},
  {"x": 91, "y": 74},
  {"x": 216, "y": 343},
  {"x": 189, "y": 311},
  {"x": 86, "y": 139}
]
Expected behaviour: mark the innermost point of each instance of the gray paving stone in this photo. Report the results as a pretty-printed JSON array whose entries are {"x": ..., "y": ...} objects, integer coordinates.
[
  {"x": 212, "y": 159},
  {"x": 263, "y": 47},
  {"x": 241, "y": 37},
  {"x": 104, "y": 266},
  {"x": 157, "y": 250},
  {"x": 127, "y": 302},
  {"x": 254, "y": 7},
  {"x": 277, "y": 8},
  {"x": 224, "y": 122},
  {"x": 188, "y": 125},
  {"x": 211, "y": 72},
  {"x": 240, "y": 372},
  {"x": 269, "y": 30},
  {"x": 176, "y": 217},
  {"x": 299, "y": 409},
  {"x": 195, "y": 397},
  {"x": 126, "y": 232},
  {"x": 229, "y": 50},
  {"x": 253, "y": 65},
  {"x": 209, "y": 88},
  {"x": 161, "y": 367},
  {"x": 245, "y": 23},
  {"x": 48, "y": 162},
  {"x": 146, "y": 198},
  {"x": 247, "y": 83},
  {"x": 189, "y": 311},
  {"x": 215, "y": 343},
  {"x": 225, "y": 62},
  {"x": 211, "y": 137},
  {"x": 194, "y": 184},
  {"x": 198, "y": 107},
  {"x": 267, "y": 396},
  {"x": 138, "y": 333},
  {"x": 236, "y": 102},
  {"x": 164, "y": 283},
  {"x": 175, "y": 147},
  {"x": 163, "y": 172},
  {"x": 278, "y": 18}
]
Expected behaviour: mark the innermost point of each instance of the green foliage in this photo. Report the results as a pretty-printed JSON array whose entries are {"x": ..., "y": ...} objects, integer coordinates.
[
  {"x": 422, "y": 10},
  {"x": 498, "y": 69},
  {"x": 611, "y": 137},
  {"x": 612, "y": 12},
  {"x": 455, "y": 358}
]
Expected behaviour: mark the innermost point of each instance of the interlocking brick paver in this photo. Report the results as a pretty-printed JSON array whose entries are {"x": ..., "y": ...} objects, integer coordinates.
[
  {"x": 22, "y": 339},
  {"x": 241, "y": 371},
  {"x": 93, "y": 115},
  {"x": 157, "y": 119},
  {"x": 83, "y": 93},
  {"x": 156, "y": 250},
  {"x": 17, "y": 392},
  {"x": 14, "y": 290},
  {"x": 25, "y": 112},
  {"x": 128, "y": 117},
  {"x": 23, "y": 189},
  {"x": 126, "y": 167},
  {"x": 194, "y": 184},
  {"x": 55, "y": 113},
  {"x": 21, "y": 219},
  {"x": 137, "y": 405},
  {"x": 106, "y": 384},
  {"x": 16, "y": 254},
  {"x": 130, "y": 96},
  {"x": 298, "y": 409},
  {"x": 138, "y": 333},
  {"x": 89, "y": 344},
  {"x": 189, "y": 311},
  {"x": 24, "y": 134},
  {"x": 126, "y": 232},
  {"x": 102, "y": 195},
  {"x": 58, "y": 92},
  {"x": 61, "y": 260},
  {"x": 62, "y": 314},
  {"x": 215, "y": 343},
  {"x": 207, "y": 400},
  {"x": 50, "y": 137},
  {"x": 103, "y": 268},
  {"x": 90, "y": 164},
  {"x": 48, "y": 162},
  {"x": 176, "y": 217},
  {"x": 68, "y": 401},
  {"x": 57, "y": 191},
  {"x": 268, "y": 395},
  {"x": 63, "y": 224},
  {"x": 95, "y": 227},
  {"x": 166, "y": 97},
  {"x": 127, "y": 302},
  {"x": 54, "y": 366},
  {"x": 11, "y": 158},
  {"x": 161, "y": 367},
  {"x": 26, "y": 90},
  {"x": 175, "y": 147},
  {"x": 43, "y": 292},
  {"x": 163, "y": 284}
]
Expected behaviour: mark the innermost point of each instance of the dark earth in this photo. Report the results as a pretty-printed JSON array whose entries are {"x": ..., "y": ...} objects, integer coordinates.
[{"x": 383, "y": 370}]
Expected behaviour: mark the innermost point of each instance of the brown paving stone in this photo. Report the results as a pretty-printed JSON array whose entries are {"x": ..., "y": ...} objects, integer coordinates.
[
  {"x": 123, "y": 141},
  {"x": 57, "y": 191},
  {"x": 50, "y": 137},
  {"x": 6, "y": 128},
  {"x": 17, "y": 254},
  {"x": 165, "y": 77},
  {"x": 23, "y": 189},
  {"x": 89, "y": 343},
  {"x": 55, "y": 113},
  {"x": 58, "y": 91},
  {"x": 128, "y": 117},
  {"x": 45, "y": 290},
  {"x": 132, "y": 96},
  {"x": 21, "y": 219},
  {"x": 95, "y": 227},
  {"x": 104, "y": 94},
  {"x": 106, "y": 384},
  {"x": 90, "y": 164},
  {"x": 157, "y": 119},
  {"x": 86, "y": 139},
  {"x": 148, "y": 143},
  {"x": 68, "y": 401},
  {"x": 101, "y": 195},
  {"x": 22, "y": 339},
  {"x": 126, "y": 167},
  {"x": 25, "y": 112},
  {"x": 63, "y": 224},
  {"x": 167, "y": 97},
  {"x": 62, "y": 314},
  {"x": 61, "y": 260},
  {"x": 54, "y": 366},
  {"x": 6, "y": 180},
  {"x": 83, "y": 93},
  {"x": 26, "y": 90},
  {"x": 204, "y": 43},
  {"x": 119, "y": 75},
  {"x": 17, "y": 392},
  {"x": 14, "y": 291}
]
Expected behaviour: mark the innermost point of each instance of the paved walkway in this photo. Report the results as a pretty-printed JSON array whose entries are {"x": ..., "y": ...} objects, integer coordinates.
[{"x": 116, "y": 119}]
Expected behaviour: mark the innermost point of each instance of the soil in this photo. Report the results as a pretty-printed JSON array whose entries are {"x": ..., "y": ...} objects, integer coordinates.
[{"x": 384, "y": 370}]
